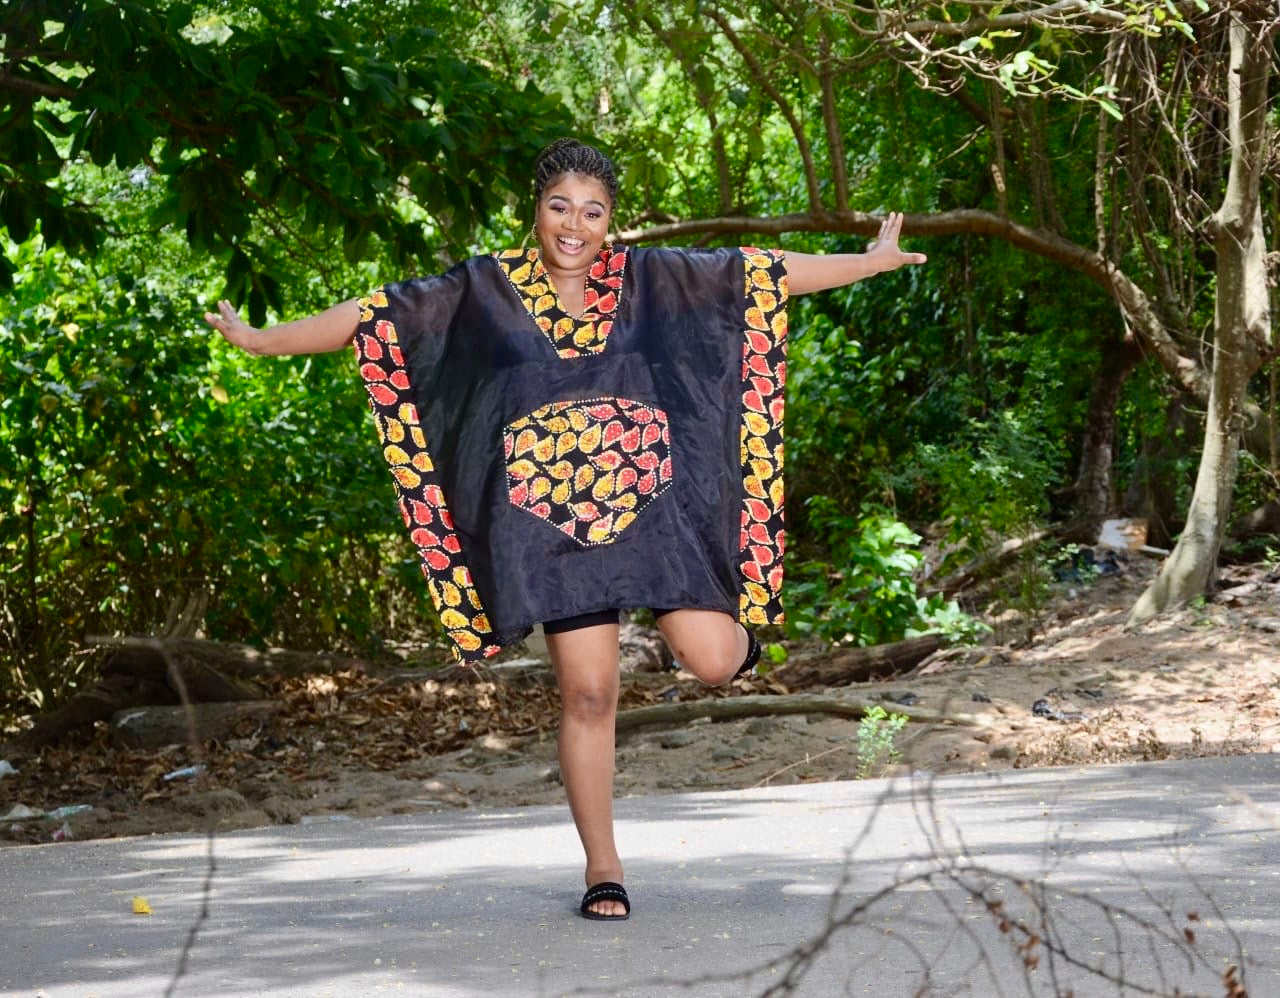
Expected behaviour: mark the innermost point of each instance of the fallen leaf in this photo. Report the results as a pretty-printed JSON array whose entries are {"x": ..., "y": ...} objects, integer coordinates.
[{"x": 140, "y": 906}]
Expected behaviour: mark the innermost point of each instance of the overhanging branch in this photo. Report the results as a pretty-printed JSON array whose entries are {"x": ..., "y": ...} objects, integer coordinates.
[{"x": 1138, "y": 310}]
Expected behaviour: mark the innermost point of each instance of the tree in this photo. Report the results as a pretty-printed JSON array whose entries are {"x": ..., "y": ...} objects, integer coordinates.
[
  {"x": 1242, "y": 317},
  {"x": 147, "y": 151},
  {"x": 999, "y": 68},
  {"x": 326, "y": 134}
]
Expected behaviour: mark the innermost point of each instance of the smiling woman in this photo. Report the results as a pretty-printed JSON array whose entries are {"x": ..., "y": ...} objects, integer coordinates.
[{"x": 583, "y": 427}]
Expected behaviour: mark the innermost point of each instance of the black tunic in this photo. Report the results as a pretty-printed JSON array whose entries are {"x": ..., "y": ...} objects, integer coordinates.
[{"x": 549, "y": 466}]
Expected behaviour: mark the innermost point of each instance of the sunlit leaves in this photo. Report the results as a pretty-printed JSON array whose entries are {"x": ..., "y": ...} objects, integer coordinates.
[{"x": 312, "y": 125}]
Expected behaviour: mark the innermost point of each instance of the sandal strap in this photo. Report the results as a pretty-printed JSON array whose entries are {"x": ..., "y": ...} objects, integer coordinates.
[
  {"x": 748, "y": 666},
  {"x": 606, "y": 891}
]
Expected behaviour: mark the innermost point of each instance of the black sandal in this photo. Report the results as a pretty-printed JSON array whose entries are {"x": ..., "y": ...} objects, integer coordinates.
[
  {"x": 605, "y": 891},
  {"x": 748, "y": 666}
]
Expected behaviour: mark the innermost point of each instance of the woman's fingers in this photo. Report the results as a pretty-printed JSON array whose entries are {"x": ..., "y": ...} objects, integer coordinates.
[
  {"x": 227, "y": 321},
  {"x": 889, "y": 229},
  {"x": 225, "y": 318},
  {"x": 887, "y": 240}
]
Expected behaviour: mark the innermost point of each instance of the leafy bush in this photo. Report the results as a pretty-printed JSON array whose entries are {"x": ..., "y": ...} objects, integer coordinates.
[
  {"x": 145, "y": 463},
  {"x": 877, "y": 740},
  {"x": 864, "y": 591},
  {"x": 993, "y": 481}
]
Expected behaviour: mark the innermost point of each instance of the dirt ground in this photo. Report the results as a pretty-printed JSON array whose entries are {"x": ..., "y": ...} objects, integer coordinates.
[{"x": 1204, "y": 680}]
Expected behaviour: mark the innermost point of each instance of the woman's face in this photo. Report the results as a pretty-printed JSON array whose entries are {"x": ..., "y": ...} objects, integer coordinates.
[{"x": 573, "y": 221}]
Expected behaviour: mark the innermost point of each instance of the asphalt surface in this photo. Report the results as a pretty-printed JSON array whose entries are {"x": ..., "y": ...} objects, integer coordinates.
[{"x": 1111, "y": 867}]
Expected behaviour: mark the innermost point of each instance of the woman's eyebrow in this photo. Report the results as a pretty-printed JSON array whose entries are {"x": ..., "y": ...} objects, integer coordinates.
[{"x": 562, "y": 197}]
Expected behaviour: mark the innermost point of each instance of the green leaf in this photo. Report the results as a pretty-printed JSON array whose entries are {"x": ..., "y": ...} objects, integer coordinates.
[
  {"x": 177, "y": 17},
  {"x": 353, "y": 77}
]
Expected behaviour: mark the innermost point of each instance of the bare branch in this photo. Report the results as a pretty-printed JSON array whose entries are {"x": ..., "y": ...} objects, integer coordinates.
[
  {"x": 1040, "y": 16},
  {"x": 1138, "y": 310},
  {"x": 830, "y": 119},
  {"x": 25, "y": 85},
  {"x": 761, "y": 77}
]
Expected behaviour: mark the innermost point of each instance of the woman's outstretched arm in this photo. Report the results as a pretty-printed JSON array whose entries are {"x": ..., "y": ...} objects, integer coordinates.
[
  {"x": 329, "y": 330},
  {"x": 807, "y": 272}
]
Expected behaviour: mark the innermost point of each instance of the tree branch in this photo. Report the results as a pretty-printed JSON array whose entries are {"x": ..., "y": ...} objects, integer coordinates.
[
  {"x": 761, "y": 77},
  {"x": 1137, "y": 309},
  {"x": 23, "y": 85},
  {"x": 1104, "y": 16},
  {"x": 706, "y": 100},
  {"x": 830, "y": 119},
  {"x": 732, "y": 708}
]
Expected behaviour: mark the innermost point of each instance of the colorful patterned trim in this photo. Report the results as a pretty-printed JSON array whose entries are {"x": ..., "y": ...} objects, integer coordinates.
[
  {"x": 588, "y": 467},
  {"x": 571, "y": 337},
  {"x": 422, "y": 502},
  {"x": 764, "y": 373}
]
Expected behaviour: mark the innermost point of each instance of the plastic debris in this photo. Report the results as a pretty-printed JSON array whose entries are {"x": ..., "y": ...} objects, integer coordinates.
[
  {"x": 6, "y": 768},
  {"x": 63, "y": 833},
  {"x": 19, "y": 811},
  {"x": 140, "y": 906},
  {"x": 1084, "y": 564},
  {"x": 1043, "y": 708},
  {"x": 60, "y": 813},
  {"x": 185, "y": 773},
  {"x": 1125, "y": 535}
]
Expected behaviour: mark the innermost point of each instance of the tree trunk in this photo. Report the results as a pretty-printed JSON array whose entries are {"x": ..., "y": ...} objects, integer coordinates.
[
  {"x": 1156, "y": 480},
  {"x": 1242, "y": 325},
  {"x": 1094, "y": 490},
  {"x": 858, "y": 665},
  {"x": 735, "y": 708}
]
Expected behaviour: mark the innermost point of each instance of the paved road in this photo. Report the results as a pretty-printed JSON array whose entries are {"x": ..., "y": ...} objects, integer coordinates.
[{"x": 726, "y": 886}]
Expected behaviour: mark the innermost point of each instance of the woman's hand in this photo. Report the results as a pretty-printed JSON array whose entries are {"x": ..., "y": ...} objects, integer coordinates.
[
  {"x": 808, "y": 272},
  {"x": 331, "y": 329},
  {"x": 234, "y": 329},
  {"x": 884, "y": 253}
]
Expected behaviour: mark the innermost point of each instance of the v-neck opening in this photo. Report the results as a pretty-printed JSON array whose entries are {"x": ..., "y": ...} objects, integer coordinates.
[{"x": 570, "y": 335}]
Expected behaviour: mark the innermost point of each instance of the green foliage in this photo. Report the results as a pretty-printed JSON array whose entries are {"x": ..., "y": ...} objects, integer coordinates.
[
  {"x": 993, "y": 485},
  {"x": 145, "y": 464},
  {"x": 864, "y": 591},
  {"x": 308, "y": 150},
  {"x": 877, "y": 740},
  {"x": 992, "y": 482},
  {"x": 313, "y": 125}
]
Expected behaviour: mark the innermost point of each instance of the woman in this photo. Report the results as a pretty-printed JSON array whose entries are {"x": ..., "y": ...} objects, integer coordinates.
[{"x": 583, "y": 427}]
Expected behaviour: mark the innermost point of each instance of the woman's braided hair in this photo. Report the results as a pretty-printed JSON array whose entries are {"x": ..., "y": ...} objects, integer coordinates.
[{"x": 571, "y": 156}]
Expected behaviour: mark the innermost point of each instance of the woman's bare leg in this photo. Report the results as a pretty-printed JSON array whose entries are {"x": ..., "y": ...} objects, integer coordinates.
[
  {"x": 586, "y": 668},
  {"x": 710, "y": 644}
]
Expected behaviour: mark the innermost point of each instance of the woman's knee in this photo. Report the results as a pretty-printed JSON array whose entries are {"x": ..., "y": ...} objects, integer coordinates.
[
  {"x": 714, "y": 666},
  {"x": 589, "y": 701}
]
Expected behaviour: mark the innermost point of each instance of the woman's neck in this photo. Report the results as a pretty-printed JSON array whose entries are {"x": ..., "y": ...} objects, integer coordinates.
[{"x": 571, "y": 288}]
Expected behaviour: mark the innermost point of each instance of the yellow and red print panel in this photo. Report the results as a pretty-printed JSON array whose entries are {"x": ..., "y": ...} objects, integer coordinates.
[
  {"x": 588, "y": 468},
  {"x": 422, "y": 503},
  {"x": 571, "y": 337},
  {"x": 762, "y": 540}
]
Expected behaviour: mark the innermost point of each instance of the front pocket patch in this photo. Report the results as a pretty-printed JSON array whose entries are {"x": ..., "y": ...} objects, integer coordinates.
[{"x": 588, "y": 468}]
